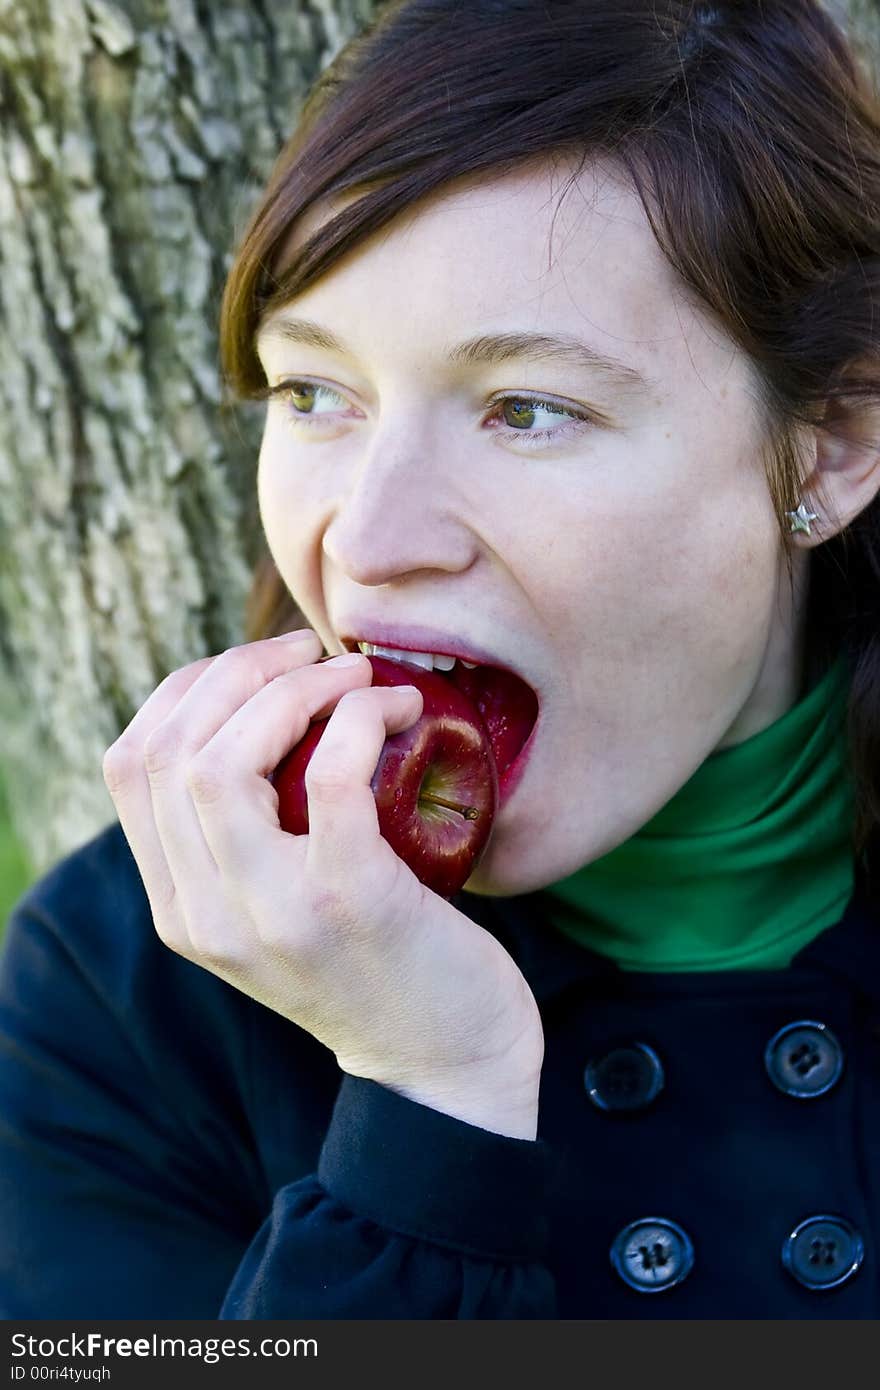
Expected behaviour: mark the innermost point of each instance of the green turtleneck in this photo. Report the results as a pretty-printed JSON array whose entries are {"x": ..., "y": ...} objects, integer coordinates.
[{"x": 751, "y": 859}]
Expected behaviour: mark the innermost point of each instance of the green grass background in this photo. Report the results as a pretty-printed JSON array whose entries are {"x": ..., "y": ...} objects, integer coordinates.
[{"x": 16, "y": 874}]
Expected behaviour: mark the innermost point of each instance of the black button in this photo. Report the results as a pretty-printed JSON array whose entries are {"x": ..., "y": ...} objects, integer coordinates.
[
  {"x": 804, "y": 1059},
  {"x": 626, "y": 1078},
  {"x": 652, "y": 1254},
  {"x": 823, "y": 1251}
]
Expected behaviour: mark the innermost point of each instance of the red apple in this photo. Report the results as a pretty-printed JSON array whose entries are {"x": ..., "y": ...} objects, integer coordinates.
[{"x": 435, "y": 784}]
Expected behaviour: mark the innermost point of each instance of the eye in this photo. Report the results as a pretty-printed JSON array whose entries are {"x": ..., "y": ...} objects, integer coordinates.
[
  {"x": 301, "y": 397},
  {"x": 300, "y": 400},
  {"x": 520, "y": 411}
]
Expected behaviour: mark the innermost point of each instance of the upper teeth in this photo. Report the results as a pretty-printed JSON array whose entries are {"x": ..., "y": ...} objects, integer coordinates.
[{"x": 426, "y": 659}]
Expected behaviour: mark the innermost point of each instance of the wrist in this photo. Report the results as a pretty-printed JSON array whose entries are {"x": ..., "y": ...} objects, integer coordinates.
[
  {"x": 491, "y": 1112},
  {"x": 497, "y": 1092},
  {"x": 498, "y": 1102}
]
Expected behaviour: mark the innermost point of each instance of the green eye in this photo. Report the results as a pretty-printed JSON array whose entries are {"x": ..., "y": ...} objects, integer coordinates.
[
  {"x": 299, "y": 399},
  {"x": 523, "y": 410},
  {"x": 300, "y": 396}
]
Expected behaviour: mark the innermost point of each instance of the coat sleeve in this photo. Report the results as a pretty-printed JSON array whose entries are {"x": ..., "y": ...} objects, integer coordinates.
[
  {"x": 411, "y": 1214},
  {"x": 130, "y": 1180}
]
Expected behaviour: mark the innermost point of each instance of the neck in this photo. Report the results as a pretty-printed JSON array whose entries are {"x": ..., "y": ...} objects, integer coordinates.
[{"x": 750, "y": 860}]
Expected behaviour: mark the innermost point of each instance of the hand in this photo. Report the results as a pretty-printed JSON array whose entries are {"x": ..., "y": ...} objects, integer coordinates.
[{"x": 331, "y": 929}]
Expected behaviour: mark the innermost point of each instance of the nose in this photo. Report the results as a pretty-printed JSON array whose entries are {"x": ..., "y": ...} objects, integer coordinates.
[{"x": 399, "y": 515}]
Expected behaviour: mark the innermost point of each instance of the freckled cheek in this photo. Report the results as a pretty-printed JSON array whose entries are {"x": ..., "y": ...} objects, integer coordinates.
[
  {"x": 290, "y": 513},
  {"x": 711, "y": 594},
  {"x": 642, "y": 588},
  {"x": 280, "y": 475}
]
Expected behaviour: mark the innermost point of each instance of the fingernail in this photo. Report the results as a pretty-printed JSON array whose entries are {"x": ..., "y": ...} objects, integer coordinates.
[
  {"x": 350, "y": 659},
  {"x": 299, "y": 636},
  {"x": 404, "y": 689}
]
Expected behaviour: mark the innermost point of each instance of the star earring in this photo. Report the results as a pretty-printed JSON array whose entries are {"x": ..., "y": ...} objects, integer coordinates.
[{"x": 800, "y": 520}]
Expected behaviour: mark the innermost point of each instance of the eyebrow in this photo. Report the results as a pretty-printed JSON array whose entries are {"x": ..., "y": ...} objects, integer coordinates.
[{"x": 488, "y": 349}]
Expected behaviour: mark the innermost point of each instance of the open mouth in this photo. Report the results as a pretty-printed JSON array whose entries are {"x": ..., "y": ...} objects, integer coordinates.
[{"x": 506, "y": 703}]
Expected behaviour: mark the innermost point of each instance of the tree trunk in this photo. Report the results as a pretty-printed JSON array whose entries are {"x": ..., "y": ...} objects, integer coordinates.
[
  {"x": 134, "y": 140},
  {"x": 862, "y": 19}
]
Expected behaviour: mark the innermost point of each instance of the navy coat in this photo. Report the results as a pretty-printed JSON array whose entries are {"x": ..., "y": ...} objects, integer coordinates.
[{"x": 708, "y": 1145}]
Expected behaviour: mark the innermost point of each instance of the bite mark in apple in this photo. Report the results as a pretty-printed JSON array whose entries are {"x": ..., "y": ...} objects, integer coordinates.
[{"x": 435, "y": 783}]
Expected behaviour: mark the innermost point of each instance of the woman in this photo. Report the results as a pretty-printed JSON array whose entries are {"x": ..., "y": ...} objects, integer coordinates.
[{"x": 567, "y": 319}]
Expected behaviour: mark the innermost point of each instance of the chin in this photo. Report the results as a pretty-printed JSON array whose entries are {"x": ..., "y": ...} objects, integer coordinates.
[
  {"x": 517, "y": 863},
  {"x": 502, "y": 873}
]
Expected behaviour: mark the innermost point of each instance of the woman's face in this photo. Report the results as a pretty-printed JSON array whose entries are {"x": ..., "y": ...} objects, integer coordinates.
[{"x": 628, "y": 564}]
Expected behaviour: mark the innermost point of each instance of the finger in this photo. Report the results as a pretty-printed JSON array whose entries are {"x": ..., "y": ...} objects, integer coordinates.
[
  {"x": 163, "y": 701},
  {"x": 123, "y": 771},
  {"x": 343, "y": 821},
  {"x": 128, "y": 784},
  {"x": 227, "y": 684},
  {"x": 236, "y": 805},
  {"x": 157, "y": 707}
]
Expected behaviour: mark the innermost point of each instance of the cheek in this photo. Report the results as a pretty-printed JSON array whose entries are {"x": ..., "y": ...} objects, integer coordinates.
[
  {"x": 284, "y": 483},
  {"x": 658, "y": 563},
  {"x": 276, "y": 478},
  {"x": 708, "y": 586},
  {"x": 288, "y": 516}
]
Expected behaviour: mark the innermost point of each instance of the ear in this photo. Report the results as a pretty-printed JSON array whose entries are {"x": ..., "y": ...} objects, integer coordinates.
[{"x": 845, "y": 474}]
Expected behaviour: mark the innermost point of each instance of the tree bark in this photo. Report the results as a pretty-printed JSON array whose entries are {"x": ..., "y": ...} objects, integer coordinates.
[
  {"x": 134, "y": 140},
  {"x": 861, "y": 18}
]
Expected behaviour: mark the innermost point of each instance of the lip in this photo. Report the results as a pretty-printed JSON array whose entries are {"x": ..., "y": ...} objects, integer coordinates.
[
  {"x": 510, "y": 780},
  {"x": 410, "y": 638},
  {"x": 425, "y": 639}
]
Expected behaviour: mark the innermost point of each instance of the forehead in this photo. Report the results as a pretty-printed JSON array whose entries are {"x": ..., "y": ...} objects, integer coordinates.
[{"x": 548, "y": 247}]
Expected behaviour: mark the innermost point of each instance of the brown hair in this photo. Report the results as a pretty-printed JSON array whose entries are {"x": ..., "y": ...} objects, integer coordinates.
[{"x": 750, "y": 129}]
